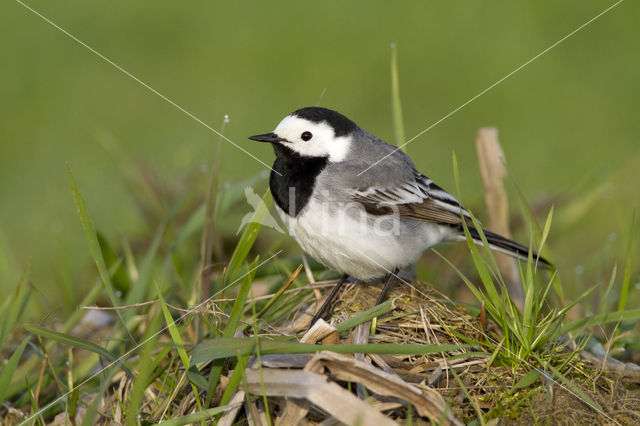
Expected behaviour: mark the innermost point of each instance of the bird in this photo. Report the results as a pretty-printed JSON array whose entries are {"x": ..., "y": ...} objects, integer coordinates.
[{"x": 357, "y": 204}]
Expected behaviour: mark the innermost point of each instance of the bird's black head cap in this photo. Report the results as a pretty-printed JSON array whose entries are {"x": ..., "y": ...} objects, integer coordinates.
[{"x": 342, "y": 126}]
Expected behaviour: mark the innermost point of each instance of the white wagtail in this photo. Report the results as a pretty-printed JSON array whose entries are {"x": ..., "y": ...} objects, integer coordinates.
[{"x": 364, "y": 225}]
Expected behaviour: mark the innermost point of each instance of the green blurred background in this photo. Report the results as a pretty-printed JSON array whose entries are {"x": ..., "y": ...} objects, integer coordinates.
[{"x": 568, "y": 122}]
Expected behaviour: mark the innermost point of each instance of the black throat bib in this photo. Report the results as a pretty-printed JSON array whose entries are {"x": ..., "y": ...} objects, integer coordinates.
[{"x": 292, "y": 188}]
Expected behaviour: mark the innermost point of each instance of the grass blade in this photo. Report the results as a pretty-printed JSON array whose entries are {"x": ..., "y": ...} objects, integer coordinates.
[
  {"x": 232, "y": 324},
  {"x": 545, "y": 232},
  {"x": 472, "y": 399},
  {"x": 10, "y": 368},
  {"x": 199, "y": 416},
  {"x": 27, "y": 366},
  {"x": 396, "y": 105},
  {"x": 491, "y": 308},
  {"x": 226, "y": 347},
  {"x": 538, "y": 233},
  {"x": 248, "y": 237},
  {"x": 527, "y": 380},
  {"x": 234, "y": 380},
  {"x": 173, "y": 332},
  {"x": 140, "y": 286},
  {"x": 604, "y": 297},
  {"x": 225, "y": 199},
  {"x": 279, "y": 293},
  {"x": 632, "y": 314},
  {"x": 208, "y": 238},
  {"x": 145, "y": 368},
  {"x": 75, "y": 342},
  {"x": 117, "y": 271},
  {"x": 624, "y": 290},
  {"x": 238, "y": 306},
  {"x": 94, "y": 245},
  {"x": 573, "y": 387},
  {"x": 92, "y": 410},
  {"x": 365, "y": 316},
  {"x": 481, "y": 267},
  {"x": 13, "y": 306},
  {"x": 480, "y": 264}
]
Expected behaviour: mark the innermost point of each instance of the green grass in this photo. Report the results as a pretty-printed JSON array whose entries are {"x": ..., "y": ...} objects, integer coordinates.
[
  {"x": 155, "y": 269},
  {"x": 199, "y": 345}
]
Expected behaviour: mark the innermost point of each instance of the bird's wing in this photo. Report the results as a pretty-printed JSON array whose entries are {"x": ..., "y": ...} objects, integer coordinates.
[{"x": 419, "y": 199}]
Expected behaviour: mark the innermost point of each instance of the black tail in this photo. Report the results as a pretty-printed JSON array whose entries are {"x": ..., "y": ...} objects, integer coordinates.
[{"x": 504, "y": 245}]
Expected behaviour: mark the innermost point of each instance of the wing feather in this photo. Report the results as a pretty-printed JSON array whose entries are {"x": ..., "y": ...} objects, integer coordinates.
[{"x": 419, "y": 199}]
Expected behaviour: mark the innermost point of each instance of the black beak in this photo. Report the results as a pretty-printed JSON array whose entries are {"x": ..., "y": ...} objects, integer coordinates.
[{"x": 267, "y": 137}]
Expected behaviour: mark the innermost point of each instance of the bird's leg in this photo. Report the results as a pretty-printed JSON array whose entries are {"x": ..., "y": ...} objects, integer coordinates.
[
  {"x": 329, "y": 299},
  {"x": 387, "y": 286}
]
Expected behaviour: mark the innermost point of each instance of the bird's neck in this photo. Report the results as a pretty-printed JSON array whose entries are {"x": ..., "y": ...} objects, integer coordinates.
[{"x": 293, "y": 178}]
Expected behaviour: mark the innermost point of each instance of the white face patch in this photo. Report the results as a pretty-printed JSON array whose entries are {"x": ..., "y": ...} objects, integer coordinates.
[{"x": 323, "y": 141}]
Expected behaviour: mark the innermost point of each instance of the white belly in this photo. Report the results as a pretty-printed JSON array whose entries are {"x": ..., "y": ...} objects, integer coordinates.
[{"x": 360, "y": 245}]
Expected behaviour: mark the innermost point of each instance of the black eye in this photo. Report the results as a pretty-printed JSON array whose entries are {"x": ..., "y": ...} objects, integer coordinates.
[{"x": 306, "y": 136}]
